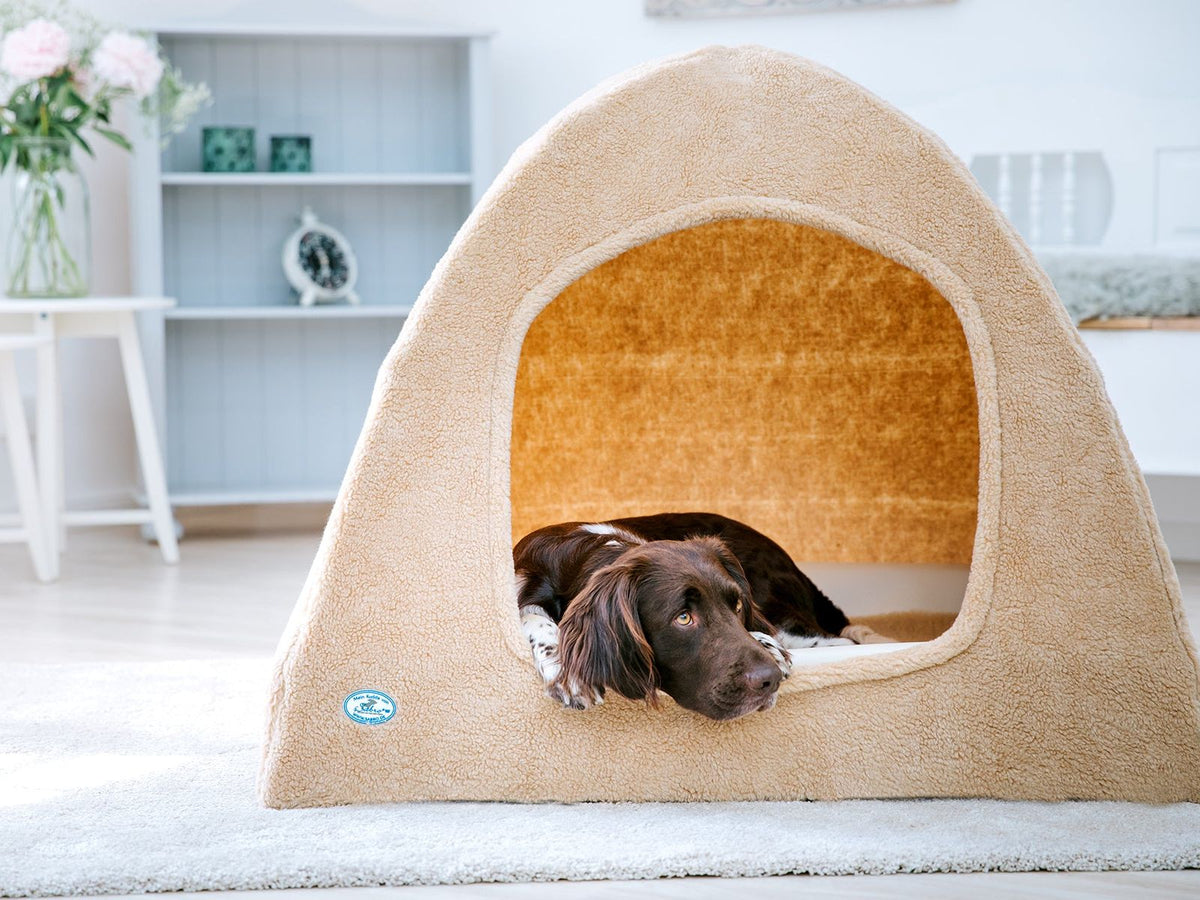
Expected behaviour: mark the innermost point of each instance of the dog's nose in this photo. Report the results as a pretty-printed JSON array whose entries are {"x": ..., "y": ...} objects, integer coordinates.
[{"x": 763, "y": 678}]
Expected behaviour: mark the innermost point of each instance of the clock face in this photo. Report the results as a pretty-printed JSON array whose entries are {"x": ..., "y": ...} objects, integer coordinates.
[{"x": 323, "y": 260}]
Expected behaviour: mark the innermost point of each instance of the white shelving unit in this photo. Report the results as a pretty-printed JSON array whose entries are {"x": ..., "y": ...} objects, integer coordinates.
[{"x": 261, "y": 400}]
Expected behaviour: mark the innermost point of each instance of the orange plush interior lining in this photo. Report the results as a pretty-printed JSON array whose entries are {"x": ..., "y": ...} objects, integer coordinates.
[{"x": 773, "y": 372}]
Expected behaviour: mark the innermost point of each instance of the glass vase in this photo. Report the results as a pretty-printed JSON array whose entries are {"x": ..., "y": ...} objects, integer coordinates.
[{"x": 49, "y": 247}]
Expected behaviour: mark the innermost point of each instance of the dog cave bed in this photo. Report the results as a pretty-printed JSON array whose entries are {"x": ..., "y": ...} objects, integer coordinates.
[{"x": 733, "y": 280}]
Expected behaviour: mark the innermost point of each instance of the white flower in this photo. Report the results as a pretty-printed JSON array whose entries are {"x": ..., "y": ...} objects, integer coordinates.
[
  {"x": 124, "y": 61},
  {"x": 39, "y": 49}
]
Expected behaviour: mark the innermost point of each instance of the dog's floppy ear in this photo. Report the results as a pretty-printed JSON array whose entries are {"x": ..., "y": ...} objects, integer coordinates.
[
  {"x": 601, "y": 643},
  {"x": 730, "y": 562},
  {"x": 752, "y": 617}
]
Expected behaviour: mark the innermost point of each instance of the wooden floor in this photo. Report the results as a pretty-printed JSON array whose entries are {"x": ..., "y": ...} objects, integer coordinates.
[{"x": 230, "y": 597}]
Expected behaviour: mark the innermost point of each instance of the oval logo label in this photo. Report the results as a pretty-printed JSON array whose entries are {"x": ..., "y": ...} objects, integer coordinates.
[{"x": 369, "y": 707}]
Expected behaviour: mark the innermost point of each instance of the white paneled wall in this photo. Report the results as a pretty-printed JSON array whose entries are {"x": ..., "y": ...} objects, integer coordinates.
[
  {"x": 371, "y": 105},
  {"x": 268, "y": 409},
  {"x": 221, "y": 243}
]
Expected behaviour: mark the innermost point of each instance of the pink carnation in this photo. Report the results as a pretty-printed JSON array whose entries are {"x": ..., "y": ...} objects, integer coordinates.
[
  {"x": 124, "y": 61},
  {"x": 39, "y": 49}
]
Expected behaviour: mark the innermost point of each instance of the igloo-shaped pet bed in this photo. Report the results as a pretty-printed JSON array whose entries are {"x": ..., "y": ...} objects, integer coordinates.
[{"x": 733, "y": 280}]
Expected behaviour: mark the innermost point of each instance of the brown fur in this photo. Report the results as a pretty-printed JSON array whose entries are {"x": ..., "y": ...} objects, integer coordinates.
[{"x": 618, "y": 588}]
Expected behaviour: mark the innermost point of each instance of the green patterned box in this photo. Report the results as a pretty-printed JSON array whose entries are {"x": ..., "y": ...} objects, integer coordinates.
[
  {"x": 228, "y": 149},
  {"x": 291, "y": 153}
]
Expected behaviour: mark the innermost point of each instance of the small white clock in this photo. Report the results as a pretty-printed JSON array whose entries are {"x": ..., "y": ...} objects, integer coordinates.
[{"x": 319, "y": 263}]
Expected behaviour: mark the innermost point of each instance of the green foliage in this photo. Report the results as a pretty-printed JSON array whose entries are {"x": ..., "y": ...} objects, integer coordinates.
[
  {"x": 53, "y": 107},
  {"x": 175, "y": 101}
]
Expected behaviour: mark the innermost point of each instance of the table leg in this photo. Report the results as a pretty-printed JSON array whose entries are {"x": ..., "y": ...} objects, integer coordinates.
[
  {"x": 153, "y": 476},
  {"x": 21, "y": 461},
  {"x": 49, "y": 441}
]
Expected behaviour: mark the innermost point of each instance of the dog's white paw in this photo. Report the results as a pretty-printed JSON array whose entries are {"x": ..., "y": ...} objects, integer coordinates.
[
  {"x": 542, "y": 633},
  {"x": 572, "y": 696},
  {"x": 777, "y": 651},
  {"x": 805, "y": 641},
  {"x": 862, "y": 634}
]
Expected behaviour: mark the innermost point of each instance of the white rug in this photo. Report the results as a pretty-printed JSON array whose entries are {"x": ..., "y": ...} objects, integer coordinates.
[{"x": 140, "y": 777}]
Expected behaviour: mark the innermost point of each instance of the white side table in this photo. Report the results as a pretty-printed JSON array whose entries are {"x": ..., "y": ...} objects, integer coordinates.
[{"x": 96, "y": 317}]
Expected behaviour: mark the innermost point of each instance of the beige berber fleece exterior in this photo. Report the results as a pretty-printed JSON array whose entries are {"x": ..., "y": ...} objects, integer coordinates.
[{"x": 766, "y": 293}]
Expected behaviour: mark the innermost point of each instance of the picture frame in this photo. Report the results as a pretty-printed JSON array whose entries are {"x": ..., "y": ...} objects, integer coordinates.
[{"x": 699, "y": 9}]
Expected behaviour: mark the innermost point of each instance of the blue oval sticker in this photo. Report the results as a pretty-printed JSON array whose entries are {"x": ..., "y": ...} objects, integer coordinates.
[{"x": 369, "y": 707}]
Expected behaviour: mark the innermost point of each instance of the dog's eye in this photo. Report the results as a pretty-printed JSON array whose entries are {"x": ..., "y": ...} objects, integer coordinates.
[
  {"x": 738, "y": 608},
  {"x": 684, "y": 618}
]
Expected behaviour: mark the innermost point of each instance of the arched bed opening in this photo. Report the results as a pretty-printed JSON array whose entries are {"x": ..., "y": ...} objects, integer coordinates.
[{"x": 776, "y": 373}]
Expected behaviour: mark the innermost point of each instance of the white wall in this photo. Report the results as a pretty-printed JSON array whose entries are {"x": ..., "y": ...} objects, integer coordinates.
[
  {"x": 993, "y": 75},
  {"x": 1112, "y": 75}
]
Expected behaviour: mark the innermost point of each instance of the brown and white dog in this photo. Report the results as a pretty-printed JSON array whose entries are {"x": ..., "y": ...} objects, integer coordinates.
[{"x": 696, "y": 605}]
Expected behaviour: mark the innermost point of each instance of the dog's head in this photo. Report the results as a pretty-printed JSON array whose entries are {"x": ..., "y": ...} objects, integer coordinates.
[{"x": 672, "y": 616}]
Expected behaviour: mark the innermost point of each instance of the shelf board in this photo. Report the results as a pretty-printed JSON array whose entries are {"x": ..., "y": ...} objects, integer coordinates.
[
  {"x": 1143, "y": 323},
  {"x": 82, "y": 304},
  {"x": 253, "y": 495},
  {"x": 315, "y": 179},
  {"x": 331, "y": 311}
]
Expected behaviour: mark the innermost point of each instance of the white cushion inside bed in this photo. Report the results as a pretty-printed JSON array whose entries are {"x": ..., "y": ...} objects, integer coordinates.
[{"x": 817, "y": 656}]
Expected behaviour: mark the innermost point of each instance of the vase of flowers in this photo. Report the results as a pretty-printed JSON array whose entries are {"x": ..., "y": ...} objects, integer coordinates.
[
  {"x": 63, "y": 75},
  {"x": 50, "y": 242}
]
